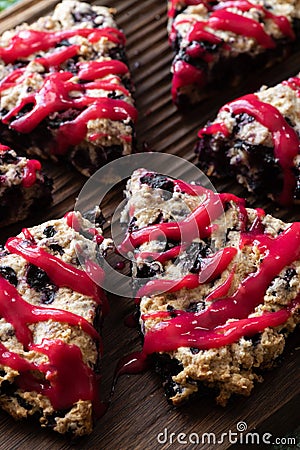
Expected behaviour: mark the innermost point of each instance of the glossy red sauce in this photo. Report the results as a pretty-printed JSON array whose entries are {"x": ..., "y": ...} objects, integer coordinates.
[
  {"x": 73, "y": 132},
  {"x": 55, "y": 94},
  {"x": 59, "y": 384},
  {"x": 59, "y": 272},
  {"x": 27, "y": 42},
  {"x": 285, "y": 139},
  {"x": 185, "y": 74},
  {"x": 293, "y": 83},
  {"x": 59, "y": 57},
  {"x": 3, "y": 148},
  {"x": 221, "y": 18},
  {"x": 212, "y": 267},
  {"x": 196, "y": 224},
  {"x": 29, "y": 174},
  {"x": 20, "y": 314},
  {"x": 92, "y": 70},
  {"x": 210, "y": 328},
  {"x": 207, "y": 329},
  {"x": 169, "y": 336},
  {"x": 214, "y": 129}
]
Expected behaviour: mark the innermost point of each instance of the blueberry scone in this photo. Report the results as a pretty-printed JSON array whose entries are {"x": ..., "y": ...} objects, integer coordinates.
[
  {"x": 24, "y": 186},
  {"x": 255, "y": 139},
  {"x": 222, "y": 286},
  {"x": 221, "y": 41},
  {"x": 51, "y": 309},
  {"x": 65, "y": 87}
]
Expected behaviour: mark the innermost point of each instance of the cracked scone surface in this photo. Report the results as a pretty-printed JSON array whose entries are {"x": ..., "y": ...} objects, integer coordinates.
[
  {"x": 197, "y": 347},
  {"x": 76, "y": 58},
  {"x": 216, "y": 41},
  {"x": 256, "y": 140},
  {"x": 52, "y": 332},
  {"x": 24, "y": 186}
]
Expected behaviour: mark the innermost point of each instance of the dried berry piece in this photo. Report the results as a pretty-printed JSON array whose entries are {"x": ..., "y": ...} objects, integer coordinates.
[
  {"x": 49, "y": 231},
  {"x": 9, "y": 274},
  {"x": 38, "y": 279},
  {"x": 57, "y": 248},
  {"x": 158, "y": 181}
]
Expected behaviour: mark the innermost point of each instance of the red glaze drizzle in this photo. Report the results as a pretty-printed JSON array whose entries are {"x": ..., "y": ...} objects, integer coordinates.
[
  {"x": 30, "y": 170},
  {"x": 59, "y": 272},
  {"x": 73, "y": 132},
  {"x": 19, "y": 313},
  {"x": 220, "y": 18},
  {"x": 214, "y": 129},
  {"x": 169, "y": 336},
  {"x": 64, "y": 359},
  {"x": 28, "y": 42},
  {"x": 293, "y": 83},
  {"x": 29, "y": 175},
  {"x": 185, "y": 74},
  {"x": 212, "y": 267},
  {"x": 209, "y": 328},
  {"x": 196, "y": 224},
  {"x": 54, "y": 94},
  {"x": 99, "y": 69},
  {"x": 285, "y": 139}
]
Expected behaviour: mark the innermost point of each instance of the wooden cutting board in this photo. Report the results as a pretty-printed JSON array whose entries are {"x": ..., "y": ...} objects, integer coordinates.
[{"x": 138, "y": 411}]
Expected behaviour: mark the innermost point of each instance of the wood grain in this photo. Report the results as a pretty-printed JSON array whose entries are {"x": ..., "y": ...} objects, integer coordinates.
[{"x": 138, "y": 410}]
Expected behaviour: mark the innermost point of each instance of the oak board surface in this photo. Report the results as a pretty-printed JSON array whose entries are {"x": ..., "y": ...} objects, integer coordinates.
[{"x": 138, "y": 411}]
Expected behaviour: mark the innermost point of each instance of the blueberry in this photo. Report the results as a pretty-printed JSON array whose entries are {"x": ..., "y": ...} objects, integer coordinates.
[
  {"x": 255, "y": 339},
  {"x": 194, "y": 350},
  {"x": 49, "y": 231},
  {"x": 157, "y": 181},
  {"x": 195, "y": 307},
  {"x": 9, "y": 274},
  {"x": 170, "y": 308},
  {"x": 8, "y": 158},
  {"x": 195, "y": 254},
  {"x": 80, "y": 17},
  {"x": 48, "y": 295},
  {"x": 38, "y": 279},
  {"x": 57, "y": 248},
  {"x": 132, "y": 226},
  {"x": 289, "y": 274}
]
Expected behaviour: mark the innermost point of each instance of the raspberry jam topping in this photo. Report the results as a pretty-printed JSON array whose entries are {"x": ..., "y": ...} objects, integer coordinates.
[
  {"x": 63, "y": 359},
  {"x": 27, "y": 42},
  {"x": 221, "y": 18},
  {"x": 62, "y": 90},
  {"x": 227, "y": 318},
  {"x": 285, "y": 139},
  {"x": 29, "y": 175}
]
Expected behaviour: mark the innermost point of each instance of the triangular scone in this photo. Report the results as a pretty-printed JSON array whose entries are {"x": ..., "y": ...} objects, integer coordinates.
[
  {"x": 65, "y": 87},
  {"x": 255, "y": 139},
  {"x": 50, "y": 314},
  {"x": 217, "y": 43},
  {"x": 24, "y": 186},
  {"x": 223, "y": 286}
]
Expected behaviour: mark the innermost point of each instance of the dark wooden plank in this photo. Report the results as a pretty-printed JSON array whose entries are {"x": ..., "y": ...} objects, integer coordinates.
[{"x": 138, "y": 411}]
